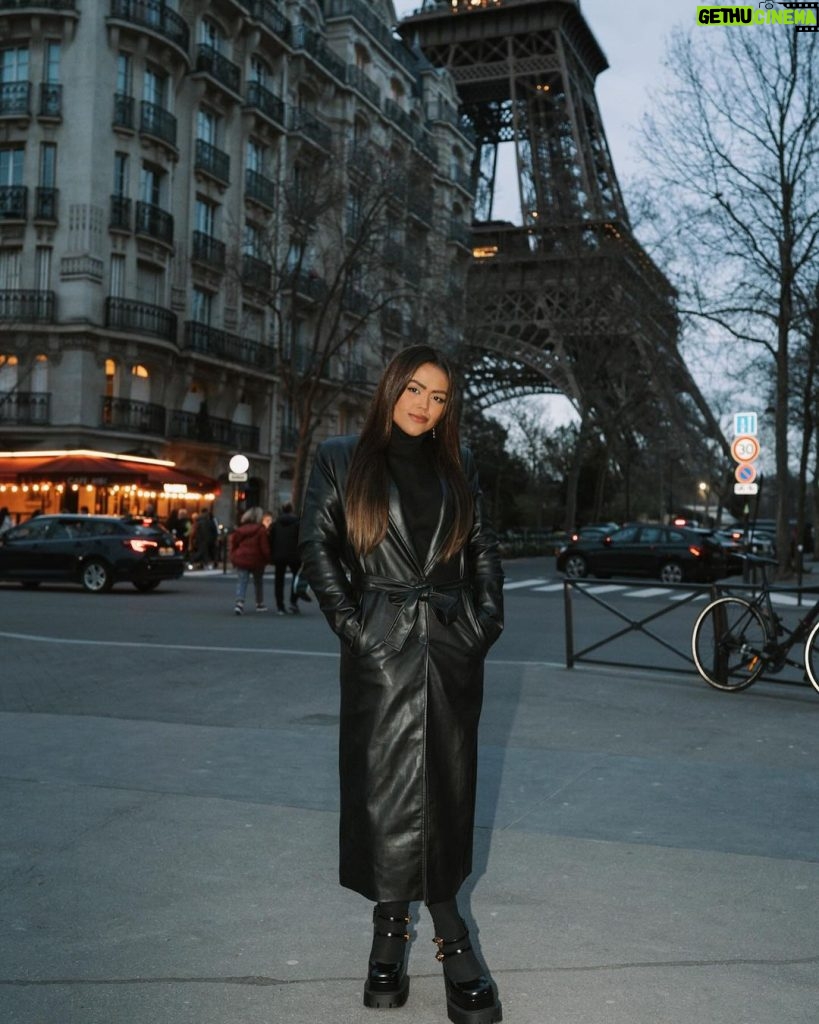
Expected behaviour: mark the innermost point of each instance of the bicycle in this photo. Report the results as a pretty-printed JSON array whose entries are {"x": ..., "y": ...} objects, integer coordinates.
[{"x": 735, "y": 640}]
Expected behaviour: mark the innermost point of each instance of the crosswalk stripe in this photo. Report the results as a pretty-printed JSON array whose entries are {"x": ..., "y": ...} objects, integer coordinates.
[
  {"x": 649, "y": 592},
  {"x": 547, "y": 589},
  {"x": 524, "y": 583},
  {"x": 605, "y": 588}
]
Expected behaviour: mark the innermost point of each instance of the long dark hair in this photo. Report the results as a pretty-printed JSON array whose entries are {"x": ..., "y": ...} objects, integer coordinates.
[{"x": 368, "y": 482}]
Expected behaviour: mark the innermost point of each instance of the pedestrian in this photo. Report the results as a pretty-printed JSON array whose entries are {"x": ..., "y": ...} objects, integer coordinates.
[
  {"x": 398, "y": 550},
  {"x": 6, "y": 521},
  {"x": 284, "y": 554},
  {"x": 250, "y": 552}
]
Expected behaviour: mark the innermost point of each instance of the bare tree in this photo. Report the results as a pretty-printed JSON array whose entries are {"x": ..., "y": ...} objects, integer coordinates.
[
  {"x": 344, "y": 277},
  {"x": 736, "y": 154}
]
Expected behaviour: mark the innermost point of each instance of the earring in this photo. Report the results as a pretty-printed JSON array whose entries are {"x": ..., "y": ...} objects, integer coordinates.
[{"x": 433, "y": 433}]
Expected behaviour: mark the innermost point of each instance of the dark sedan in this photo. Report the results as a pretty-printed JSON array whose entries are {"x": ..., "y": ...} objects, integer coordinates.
[
  {"x": 669, "y": 553},
  {"x": 94, "y": 551}
]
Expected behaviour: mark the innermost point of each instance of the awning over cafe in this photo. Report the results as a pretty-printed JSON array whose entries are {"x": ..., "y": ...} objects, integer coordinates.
[{"x": 100, "y": 469}]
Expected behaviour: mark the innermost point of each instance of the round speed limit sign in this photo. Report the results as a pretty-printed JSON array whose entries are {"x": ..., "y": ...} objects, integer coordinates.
[{"x": 745, "y": 448}]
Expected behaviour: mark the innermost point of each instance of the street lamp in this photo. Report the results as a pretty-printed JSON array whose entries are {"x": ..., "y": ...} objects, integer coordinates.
[
  {"x": 704, "y": 494},
  {"x": 238, "y": 466}
]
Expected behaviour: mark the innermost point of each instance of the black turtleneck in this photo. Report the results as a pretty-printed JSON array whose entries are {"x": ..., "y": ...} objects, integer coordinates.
[{"x": 411, "y": 464}]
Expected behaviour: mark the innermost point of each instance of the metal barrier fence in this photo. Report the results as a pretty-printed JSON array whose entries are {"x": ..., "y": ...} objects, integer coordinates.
[{"x": 675, "y": 645}]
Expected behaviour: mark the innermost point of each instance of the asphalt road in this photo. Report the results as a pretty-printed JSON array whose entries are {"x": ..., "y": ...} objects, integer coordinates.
[{"x": 645, "y": 848}]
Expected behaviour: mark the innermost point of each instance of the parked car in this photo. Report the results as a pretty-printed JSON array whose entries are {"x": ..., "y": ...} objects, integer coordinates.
[
  {"x": 672, "y": 554},
  {"x": 94, "y": 551},
  {"x": 591, "y": 531},
  {"x": 758, "y": 542}
]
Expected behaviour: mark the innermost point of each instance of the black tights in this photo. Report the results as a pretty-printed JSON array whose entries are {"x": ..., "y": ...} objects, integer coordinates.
[{"x": 449, "y": 925}]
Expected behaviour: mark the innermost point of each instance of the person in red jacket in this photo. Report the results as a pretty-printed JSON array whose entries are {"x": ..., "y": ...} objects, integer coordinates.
[{"x": 249, "y": 551}]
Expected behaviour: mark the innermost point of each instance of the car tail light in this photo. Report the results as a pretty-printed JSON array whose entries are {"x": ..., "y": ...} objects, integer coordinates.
[
  {"x": 140, "y": 545},
  {"x": 695, "y": 551},
  {"x": 575, "y": 537}
]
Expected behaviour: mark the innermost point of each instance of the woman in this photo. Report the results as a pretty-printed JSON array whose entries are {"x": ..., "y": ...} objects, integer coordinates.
[
  {"x": 249, "y": 551},
  {"x": 395, "y": 544}
]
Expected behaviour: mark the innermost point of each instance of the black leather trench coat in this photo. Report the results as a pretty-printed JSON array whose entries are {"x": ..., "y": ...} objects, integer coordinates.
[{"x": 413, "y": 642}]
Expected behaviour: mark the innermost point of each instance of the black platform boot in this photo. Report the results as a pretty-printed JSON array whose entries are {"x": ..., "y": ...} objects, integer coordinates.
[
  {"x": 387, "y": 984},
  {"x": 469, "y": 1000}
]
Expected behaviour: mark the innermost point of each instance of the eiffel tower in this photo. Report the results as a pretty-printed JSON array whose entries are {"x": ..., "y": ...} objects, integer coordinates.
[{"x": 561, "y": 297}]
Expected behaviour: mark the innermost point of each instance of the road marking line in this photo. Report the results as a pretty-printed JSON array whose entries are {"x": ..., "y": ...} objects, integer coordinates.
[
  {"x": 167, "y": 647},
  {"x": 548, "y": 589},
  {"x": 523, "y": 583},
  {"x": 681, "y": 596},
  {"x": 649, "y": 592},
  {"x": 605, "y": 588}
]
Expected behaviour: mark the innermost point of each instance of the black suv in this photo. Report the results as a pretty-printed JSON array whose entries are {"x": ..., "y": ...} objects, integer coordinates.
[{"x": 95, "y": 551}]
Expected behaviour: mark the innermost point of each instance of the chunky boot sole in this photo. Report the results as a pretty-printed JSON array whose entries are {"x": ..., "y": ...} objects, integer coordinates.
[
  {"x": 387, "y": 1000},
  {"x": 489, "y": 1015}
]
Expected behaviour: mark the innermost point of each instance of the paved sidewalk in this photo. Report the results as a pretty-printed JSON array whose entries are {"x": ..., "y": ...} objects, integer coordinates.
[{"x": 646, "y": 849}]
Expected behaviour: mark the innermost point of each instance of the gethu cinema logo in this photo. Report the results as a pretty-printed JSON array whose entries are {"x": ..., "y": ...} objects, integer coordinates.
[{"x": 763, "y": 14}]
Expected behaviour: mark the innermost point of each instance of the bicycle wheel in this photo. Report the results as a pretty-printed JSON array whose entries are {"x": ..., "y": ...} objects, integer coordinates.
[
  {"x": 812, "y": 657},
  {"x": 728, "y": 642}
]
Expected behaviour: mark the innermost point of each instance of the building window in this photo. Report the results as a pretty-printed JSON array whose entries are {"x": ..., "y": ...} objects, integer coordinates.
[
  {"x": 150, "y": 284},
  {"x": 206, "y": 216},
  {"x": 116, "y": 285},
  {"x": 11, "y": 165},
  {"x": 42, "y": 268},
  {"x": 211, "y": 35},
  {"x": 256, "y": 155},
  {"x": 120, "y": 174},
  {"x": 259, "y": 71},
  {"x": 9, "y": 269},
  {"x": 124, "y": 73},
  {"x": 48, "y": 164},
  {"x": 155, "y": 88},
  {"x": 39, "y": 373},
  {"x": 51, "y": 67},
  {"x": 8, "y": 372},
  {"x": 207, "y": 125},
  {"x": 202, "y": 306},
  {"x": 138, "y": 370},
  {"x": 111, "y": 379},
  {"x": 150, "y": 185},
  {"x": 14, "y": 65},
  {"x": 253, "y": 241}
]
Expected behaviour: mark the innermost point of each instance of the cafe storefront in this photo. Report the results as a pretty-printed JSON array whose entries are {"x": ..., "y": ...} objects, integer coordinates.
[{"x": 82, "y": 480}]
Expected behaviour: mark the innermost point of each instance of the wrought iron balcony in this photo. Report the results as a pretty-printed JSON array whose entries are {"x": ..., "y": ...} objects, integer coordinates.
[
  {"x": 132, "y": 417},
  {"x": 140, "y": 318},
  {"x": 312, "y": 42},
  {"x": 212, "y": 161},
  {"x": 306, "y": 283},
  {"x": 308, "y": 125},
  {"x": 13, "y": 202},
  {"x": 158, "y": 122},
  {"x": 222, "y": 70},
  {"x": 364, "y": 84},
  {"x": 266, "y": 102},
  {"x": 399, "y": 117},
  {"x": 208, "y": 250},
  {"x": 51, "y": 101},
  {"x": 354, "y": 372},
  {"x": 232, "y": 348},
  {"x": 267, "y": 13},
  {"x": 123, "y": 111},
  {"x": 155, "y": 15},
  {"x": 120, "y": 218},
  {"x": 25, "y": 408},
  {"x": 260, "y": 189},
  {"x": 15, "y": 99},
  {"x": 355, "y": 301},
  {"x": 441, "y": 110},
  {"x": 45, "y": 204},
  {"x": 26, "y": 307},
  {"x": 194, "y": 426},
  {"x": 48, "y": 5},
  {"x": 255, "y": 273},
  {"x": 154, "y": 222}
]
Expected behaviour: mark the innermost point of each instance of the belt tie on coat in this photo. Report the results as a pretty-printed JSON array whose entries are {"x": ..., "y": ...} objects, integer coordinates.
[{"x": 443, "y": 598}]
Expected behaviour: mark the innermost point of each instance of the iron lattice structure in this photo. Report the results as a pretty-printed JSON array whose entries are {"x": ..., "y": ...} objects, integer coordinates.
[{"x": 563, "y": 298}]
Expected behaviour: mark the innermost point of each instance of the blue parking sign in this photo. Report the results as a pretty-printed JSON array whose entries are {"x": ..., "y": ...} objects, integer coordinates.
[{"x": 745, "y": 423}]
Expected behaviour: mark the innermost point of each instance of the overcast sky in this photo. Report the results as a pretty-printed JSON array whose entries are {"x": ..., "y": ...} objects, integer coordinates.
[{"x": 632, "y": 35}]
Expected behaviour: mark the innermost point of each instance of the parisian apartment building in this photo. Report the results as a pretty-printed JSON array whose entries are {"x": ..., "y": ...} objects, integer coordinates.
[{"x": 156, "y": 272}]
